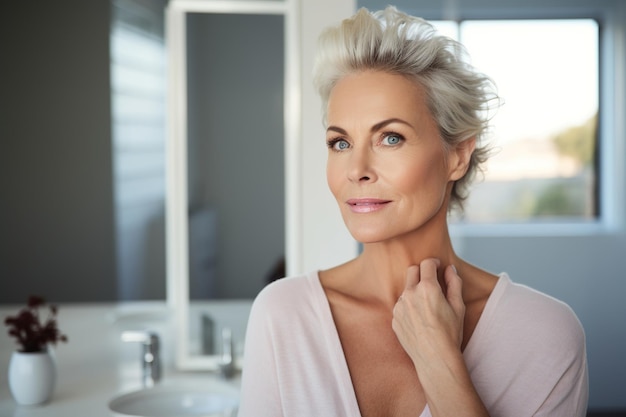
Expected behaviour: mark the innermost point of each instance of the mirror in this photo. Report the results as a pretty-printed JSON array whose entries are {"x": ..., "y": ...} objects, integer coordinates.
[
  {"x": 235, "y": 152},
  {"x": 232, "y": 115}
]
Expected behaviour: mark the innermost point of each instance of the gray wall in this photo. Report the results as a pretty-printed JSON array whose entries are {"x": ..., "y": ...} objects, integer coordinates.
[{"x": 56, "y": 208}]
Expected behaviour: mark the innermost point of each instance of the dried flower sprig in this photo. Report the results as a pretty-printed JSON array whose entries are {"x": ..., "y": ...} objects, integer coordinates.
[{"x": 31, "y": 333}]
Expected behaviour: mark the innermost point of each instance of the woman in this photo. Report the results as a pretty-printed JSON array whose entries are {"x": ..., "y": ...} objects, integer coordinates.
[{"x": 407, "y": 328}]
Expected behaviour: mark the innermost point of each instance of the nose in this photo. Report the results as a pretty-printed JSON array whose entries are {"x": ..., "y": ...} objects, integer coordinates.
[{"x": 361, "y": 168}]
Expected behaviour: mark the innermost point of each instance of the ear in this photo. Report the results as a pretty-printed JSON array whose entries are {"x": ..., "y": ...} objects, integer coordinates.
[{"x": 460, "y": 158}]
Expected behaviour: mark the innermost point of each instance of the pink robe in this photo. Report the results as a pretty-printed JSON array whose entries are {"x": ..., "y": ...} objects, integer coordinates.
[{"x": 526, "y": 356}]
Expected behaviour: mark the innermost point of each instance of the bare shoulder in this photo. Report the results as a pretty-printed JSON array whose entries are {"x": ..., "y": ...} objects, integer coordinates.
[
  {"x": 478, "y": 284},
  {"x": 338, "y": 280}
]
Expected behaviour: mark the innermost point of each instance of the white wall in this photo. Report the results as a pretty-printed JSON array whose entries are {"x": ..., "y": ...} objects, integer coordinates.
[{"x": 325, "y": 239}]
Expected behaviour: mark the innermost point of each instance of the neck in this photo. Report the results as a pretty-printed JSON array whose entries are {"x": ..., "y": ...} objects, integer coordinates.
[{"x": 382, "y": 265}]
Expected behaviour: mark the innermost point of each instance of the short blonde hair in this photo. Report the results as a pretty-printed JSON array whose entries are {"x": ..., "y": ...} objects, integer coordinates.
[{"x": 458, "y": 96}]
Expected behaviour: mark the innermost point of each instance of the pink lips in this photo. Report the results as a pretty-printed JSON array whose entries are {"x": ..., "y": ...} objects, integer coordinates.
[{"x": 366, "y": 205}]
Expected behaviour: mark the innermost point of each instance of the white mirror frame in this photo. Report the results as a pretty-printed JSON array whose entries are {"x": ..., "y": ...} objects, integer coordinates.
[{"x": 177, "y": 251}]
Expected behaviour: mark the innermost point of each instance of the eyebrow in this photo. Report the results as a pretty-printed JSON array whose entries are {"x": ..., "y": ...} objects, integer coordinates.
[{"x": 374, "y": 128}]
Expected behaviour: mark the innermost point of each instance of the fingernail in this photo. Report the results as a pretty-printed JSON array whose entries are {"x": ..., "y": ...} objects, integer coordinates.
[{"x": 454, "y": 269}]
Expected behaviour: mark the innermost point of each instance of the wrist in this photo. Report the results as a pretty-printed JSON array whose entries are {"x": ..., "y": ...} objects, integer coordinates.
[
  {"x": 445, "y": 367},
  {"x": 434, "y": 357},
  {"x": 446, "y": 376}
]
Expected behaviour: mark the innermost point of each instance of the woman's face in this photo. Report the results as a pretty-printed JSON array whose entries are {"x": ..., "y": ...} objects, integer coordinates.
[{"x": 387, "y": 166}]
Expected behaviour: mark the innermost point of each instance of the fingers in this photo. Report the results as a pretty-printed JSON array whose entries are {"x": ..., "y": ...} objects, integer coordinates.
[
  {"x": 429, "y": 310},
  {"x": 428, "y": 272},
  {"x": 412, "y": 277},
  {"x": 454, "y": 290}
]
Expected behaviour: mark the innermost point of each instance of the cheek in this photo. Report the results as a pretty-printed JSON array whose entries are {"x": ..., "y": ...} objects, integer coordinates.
[
  {"x": 332, "y": 178},
  {"x": 424, "y": 176}
]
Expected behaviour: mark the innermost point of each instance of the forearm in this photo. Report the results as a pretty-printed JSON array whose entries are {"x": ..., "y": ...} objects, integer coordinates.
[{"x": 448, "y": 387}]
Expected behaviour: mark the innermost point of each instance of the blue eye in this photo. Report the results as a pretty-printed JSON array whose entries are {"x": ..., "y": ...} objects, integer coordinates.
[
  {"x": 338, "y": 144},
  {"x": 341, "y": 145},
  {"x": 392, "y": 139}
]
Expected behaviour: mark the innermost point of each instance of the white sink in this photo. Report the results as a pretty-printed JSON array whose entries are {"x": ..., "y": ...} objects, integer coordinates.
[{"x": 174, "y": 401}]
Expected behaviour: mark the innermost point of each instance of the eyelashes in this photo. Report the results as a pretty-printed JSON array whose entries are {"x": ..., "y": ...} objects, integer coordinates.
[
  {"x": 388, "y": 139},
  {"x": 392, "y": 138},
  {"x": 337, "y": 144}
]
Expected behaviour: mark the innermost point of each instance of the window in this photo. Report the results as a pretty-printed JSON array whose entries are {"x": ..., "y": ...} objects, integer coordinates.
[
  {"x": 138, "y": 104},
  {"x": 544, "y": 166}
]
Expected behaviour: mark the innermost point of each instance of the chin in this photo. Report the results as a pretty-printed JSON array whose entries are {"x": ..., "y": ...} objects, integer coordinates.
[{"x": 367, "y": 235}]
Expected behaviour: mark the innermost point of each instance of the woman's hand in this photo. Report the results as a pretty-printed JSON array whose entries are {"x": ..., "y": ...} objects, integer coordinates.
[{"x": 427, "y": 320}]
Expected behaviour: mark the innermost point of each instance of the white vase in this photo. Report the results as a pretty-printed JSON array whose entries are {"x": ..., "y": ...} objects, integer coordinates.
[{"x": 32, "y": 377}]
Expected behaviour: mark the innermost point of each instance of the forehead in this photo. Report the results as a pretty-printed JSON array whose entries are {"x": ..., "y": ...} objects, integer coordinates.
[{"x": 376, "y": 94}]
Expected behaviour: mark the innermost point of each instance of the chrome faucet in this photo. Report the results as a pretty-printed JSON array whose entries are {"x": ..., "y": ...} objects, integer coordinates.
[
  {"x": 227, "y": 361},
  {"x": 150, "y": 360}
]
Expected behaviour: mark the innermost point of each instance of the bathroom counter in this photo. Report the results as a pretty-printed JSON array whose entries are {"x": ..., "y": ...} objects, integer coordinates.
[
  {"x": 95, "y": 365},
  {"x": 80, "y": 394}
]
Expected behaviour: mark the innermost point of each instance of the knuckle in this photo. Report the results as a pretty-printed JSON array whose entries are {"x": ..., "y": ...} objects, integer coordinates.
[{"x": 428, "y": 262}]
